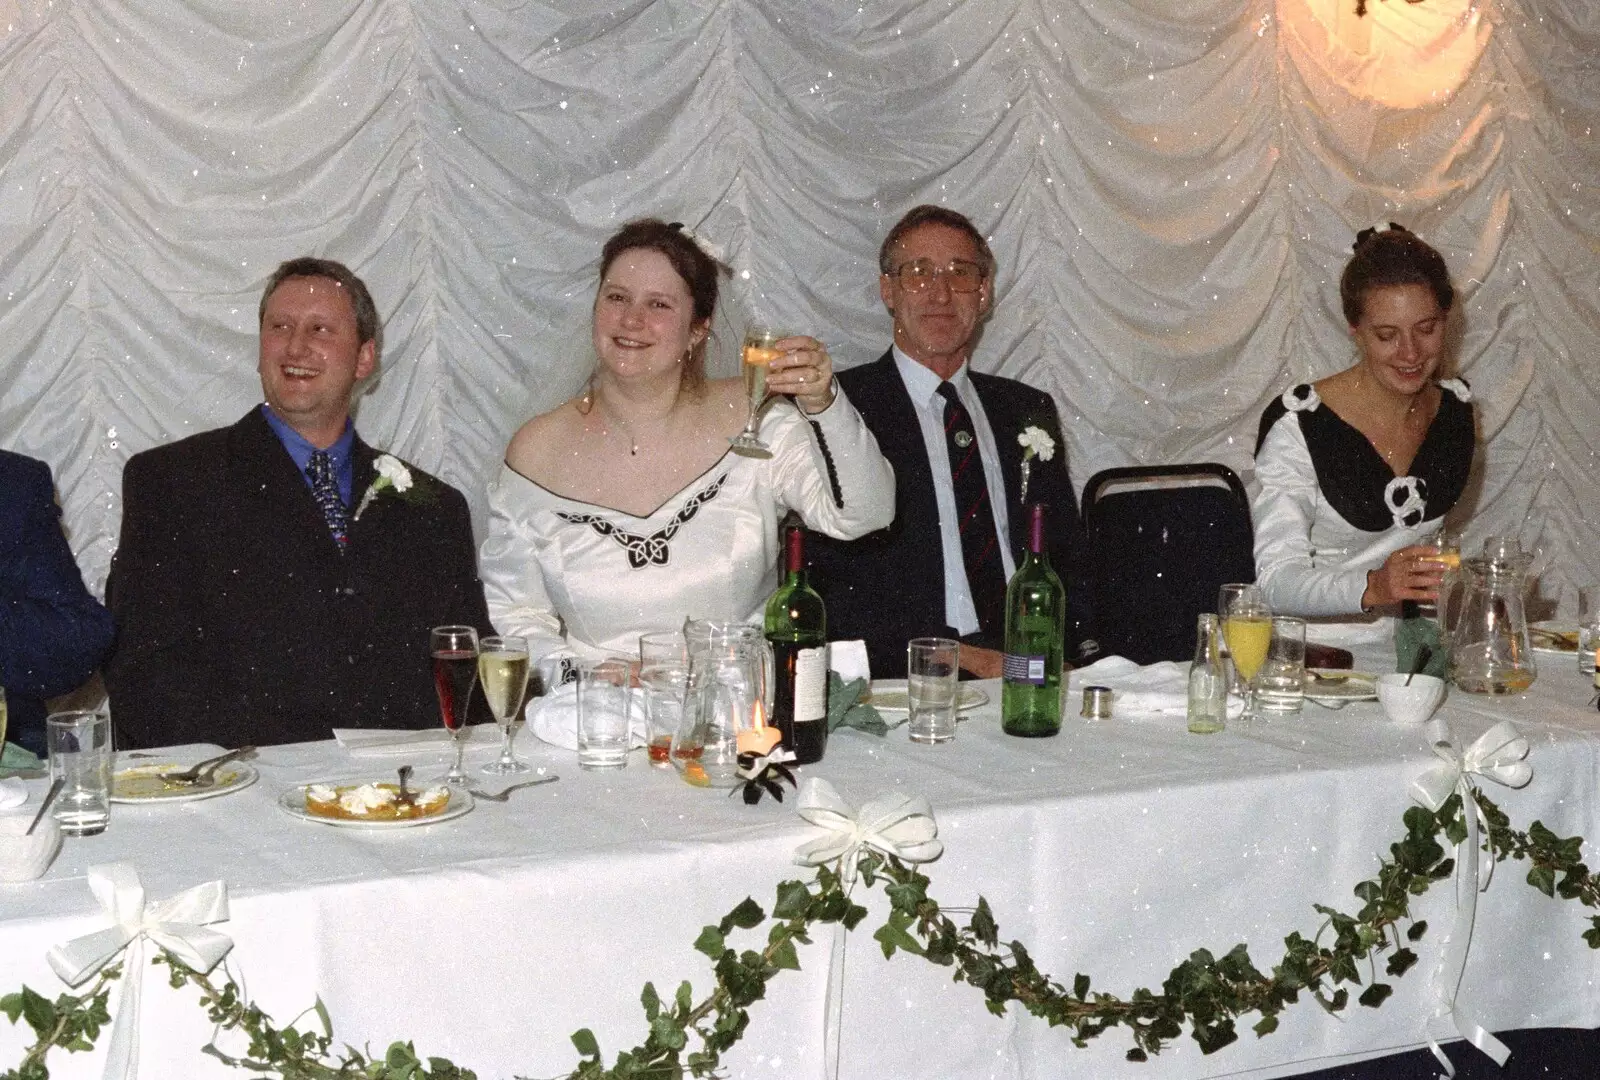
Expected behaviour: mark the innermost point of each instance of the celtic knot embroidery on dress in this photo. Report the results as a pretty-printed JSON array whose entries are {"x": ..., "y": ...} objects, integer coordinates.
[{"x": 649, "y": 550}]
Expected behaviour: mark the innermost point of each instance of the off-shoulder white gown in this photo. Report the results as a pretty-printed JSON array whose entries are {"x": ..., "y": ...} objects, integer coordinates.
[{"x": 582, "y": 579}]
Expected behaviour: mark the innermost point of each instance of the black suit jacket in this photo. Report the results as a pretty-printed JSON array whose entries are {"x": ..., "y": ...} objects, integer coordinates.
[
  {"x": 241, "y": 621},
  {"x": 53, "y": 634},
  {"x": 888, "y": 586}
]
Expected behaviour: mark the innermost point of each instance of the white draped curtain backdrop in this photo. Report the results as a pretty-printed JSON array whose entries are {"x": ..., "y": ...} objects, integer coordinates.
[{"x": 1171, "y": 190}]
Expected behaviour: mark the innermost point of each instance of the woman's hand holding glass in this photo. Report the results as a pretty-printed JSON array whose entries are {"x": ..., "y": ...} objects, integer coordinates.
[
  {"x": 803, "y": 370},
  {"x": 1411, "y": 573}
]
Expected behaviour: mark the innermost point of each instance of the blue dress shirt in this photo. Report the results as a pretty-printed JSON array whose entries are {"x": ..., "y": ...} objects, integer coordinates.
[{"x": 301, "y": 450}]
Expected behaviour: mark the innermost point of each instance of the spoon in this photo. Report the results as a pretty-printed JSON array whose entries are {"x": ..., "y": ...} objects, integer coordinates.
[
  {"x": 200, "y": 775},
  {"x": 1424, "y": 654},
  {"x": 405, "y": 797},
  {"x": 49, "y": 797}
]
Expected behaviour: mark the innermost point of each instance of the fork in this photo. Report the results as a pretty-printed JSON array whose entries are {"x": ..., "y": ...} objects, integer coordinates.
[
  {"x": 201, "y": 774},
  {"x": 504, "y": 794}
]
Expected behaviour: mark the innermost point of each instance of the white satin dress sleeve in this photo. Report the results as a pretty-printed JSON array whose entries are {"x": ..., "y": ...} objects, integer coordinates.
[
  {"x": 581, "y": 579},
  {"x": 1310, "y": 561}
]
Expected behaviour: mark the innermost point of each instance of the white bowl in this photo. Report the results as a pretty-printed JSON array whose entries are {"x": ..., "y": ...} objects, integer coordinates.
[
  {"x": 25, "y": 858},
  {"x": 1410, "y": 704}
]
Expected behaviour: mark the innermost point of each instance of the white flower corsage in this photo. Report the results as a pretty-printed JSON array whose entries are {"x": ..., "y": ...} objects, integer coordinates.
[
  {"x": 392, "y": 473},
  {"x": 1036, "y": 442}
]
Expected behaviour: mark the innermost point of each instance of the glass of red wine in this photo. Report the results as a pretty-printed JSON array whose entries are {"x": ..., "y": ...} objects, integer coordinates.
[{"x": 455, "y": 669}]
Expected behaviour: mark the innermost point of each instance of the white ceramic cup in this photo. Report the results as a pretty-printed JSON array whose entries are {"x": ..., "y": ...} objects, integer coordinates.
[
  {"x": 25, "y": 858},
  {"x": 1409, "y": 704}
]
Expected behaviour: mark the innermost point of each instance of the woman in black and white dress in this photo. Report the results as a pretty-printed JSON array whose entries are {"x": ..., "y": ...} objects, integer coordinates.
[{"x": 1357, "y": 470}]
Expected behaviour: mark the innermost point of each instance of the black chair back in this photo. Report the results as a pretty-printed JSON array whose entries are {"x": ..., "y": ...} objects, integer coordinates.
[{"x": 1161, "y": 539}]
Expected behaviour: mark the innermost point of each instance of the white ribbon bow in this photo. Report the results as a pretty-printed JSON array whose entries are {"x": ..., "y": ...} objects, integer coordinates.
[
  {"x": 1500, "y": 755},
  {"x": 893, "y": 823},
  {"x": 176, "y": 924}
]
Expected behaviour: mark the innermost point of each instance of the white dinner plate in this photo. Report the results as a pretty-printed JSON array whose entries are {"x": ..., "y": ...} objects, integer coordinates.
[
  {"x": 890, "y": 696},
  {"x": 1355, "y": 686},
  {"x": 143, "y": 783},
  {"x": 1554, "y": 637},
  {"x": 293, "y": 803}
]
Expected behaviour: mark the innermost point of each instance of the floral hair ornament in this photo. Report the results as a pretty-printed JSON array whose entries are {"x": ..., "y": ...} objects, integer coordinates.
[
  {"x": 1373, "y": 230},
  {"x": 1036, "y": 442},
  {"x": 713, "y": 250}
]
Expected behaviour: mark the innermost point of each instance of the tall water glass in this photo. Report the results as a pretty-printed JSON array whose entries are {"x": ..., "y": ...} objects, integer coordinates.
[
  {"x": 1281, "y": 682},
  {"x": 664, "y": 677},
  {"x": 933, "y": 668},
  {"x": 1588, "y": 627},
  {"x": 604, "y": 703},
  {"x": 80, "y": 757},
  {"x": 503, "y": 674}
]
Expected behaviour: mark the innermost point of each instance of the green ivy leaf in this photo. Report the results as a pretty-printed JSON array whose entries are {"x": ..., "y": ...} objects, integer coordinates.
[
  {"x": 711, "y": 942},
  {"x": 1375, "y": 995},
  {"x": 1417, "y": 930},
  {"x": 983, "y": 925},
  {"x": 746, "y": 916},
  {"x": 794, "y": 899},
  {"x": 651, "y": 1001},
  {"x": 784, "y": 956},
  {"x": 1543, "y": 878},
  {"x": 1400, "y": 963},
  {"x": 586, "y": 1044},
  {"x": 38, "y": 1012},
  {"x": 1266, "y": 1026}
]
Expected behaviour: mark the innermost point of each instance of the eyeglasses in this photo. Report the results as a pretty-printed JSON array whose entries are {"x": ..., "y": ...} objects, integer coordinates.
[{"x": 919, "y": 275}]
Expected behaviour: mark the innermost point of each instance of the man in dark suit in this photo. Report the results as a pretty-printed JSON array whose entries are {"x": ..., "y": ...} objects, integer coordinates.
[
  {"x": 53, "y": 634},
  {"x": 952, "y": 435},
  {"x": 278, "y": 578}
]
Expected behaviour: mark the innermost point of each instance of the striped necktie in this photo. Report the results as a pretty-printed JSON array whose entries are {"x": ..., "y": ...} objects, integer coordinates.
[
  {"x": 325, "y": 489},
  {"x": 980, "y": 545}
]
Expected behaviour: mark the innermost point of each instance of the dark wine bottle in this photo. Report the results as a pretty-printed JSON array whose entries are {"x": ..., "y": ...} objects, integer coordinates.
[
  {"x": 797, "y": 628},
  {"x": 1036, "y": 625}
]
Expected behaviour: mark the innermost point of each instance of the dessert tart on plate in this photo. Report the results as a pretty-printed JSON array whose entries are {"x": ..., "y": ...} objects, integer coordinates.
[{"x": 374, "y": 802}]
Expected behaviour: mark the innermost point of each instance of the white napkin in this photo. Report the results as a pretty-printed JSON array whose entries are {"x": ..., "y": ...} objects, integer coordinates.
[
  {"x": 1139, "y": 692},
  {"x": 554, "y": 718},
  {"x": 13, "y": 792},
  {"x": 388, "y": 742},
  {"x": 849, "y": 659}
]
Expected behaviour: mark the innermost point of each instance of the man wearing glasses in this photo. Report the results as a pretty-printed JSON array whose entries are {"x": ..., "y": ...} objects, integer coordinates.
[{"x": 952, "y": 435}]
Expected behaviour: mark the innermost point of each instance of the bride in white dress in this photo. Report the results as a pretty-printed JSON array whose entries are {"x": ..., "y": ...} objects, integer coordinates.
[
  {"x": 623, "y": 511},
  {"x": 1357, "y": 470}
]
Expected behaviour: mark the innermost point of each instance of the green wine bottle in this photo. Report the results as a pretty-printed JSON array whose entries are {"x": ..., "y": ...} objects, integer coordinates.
[
  {"x": 1036, "y": 624},
  {"x": 797, "y": 627}
]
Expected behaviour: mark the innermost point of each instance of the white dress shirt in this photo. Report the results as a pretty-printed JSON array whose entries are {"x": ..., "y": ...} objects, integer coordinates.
[{"x": 923, "y": 386}]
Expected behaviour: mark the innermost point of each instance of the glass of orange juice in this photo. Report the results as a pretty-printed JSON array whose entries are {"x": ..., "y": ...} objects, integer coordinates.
[{"x": 1247, "y": 628}]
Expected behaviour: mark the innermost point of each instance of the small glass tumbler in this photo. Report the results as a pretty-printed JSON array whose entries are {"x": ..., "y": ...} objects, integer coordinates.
[
  {"x": 1281, "y": 682},
  {"x": 603, "y": 701},
  {"x": 80, "y": 757},
  {"x": 1588, "y": 627},
  {"x": 933, "y": 666}
]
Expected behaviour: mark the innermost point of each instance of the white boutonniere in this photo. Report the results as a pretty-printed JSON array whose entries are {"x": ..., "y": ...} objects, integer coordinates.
[
  {"x": 392, "y": 473},
  {"x": 1036, "y": 442}
]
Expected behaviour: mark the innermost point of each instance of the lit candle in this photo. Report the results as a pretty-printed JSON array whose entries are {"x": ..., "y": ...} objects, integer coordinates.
[{"x": 758, "y": 739}]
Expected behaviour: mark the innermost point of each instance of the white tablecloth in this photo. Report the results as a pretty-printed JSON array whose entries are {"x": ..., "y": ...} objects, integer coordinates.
[{"x": 1114, "y": 849}]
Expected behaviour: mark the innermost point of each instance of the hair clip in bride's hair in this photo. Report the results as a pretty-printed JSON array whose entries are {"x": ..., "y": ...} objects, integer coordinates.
[
  {"x": 713, "y": 250},
  {"x": 1368, "y": 233}
]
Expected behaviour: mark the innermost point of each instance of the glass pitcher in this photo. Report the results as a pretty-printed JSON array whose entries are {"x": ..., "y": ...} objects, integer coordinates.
[
  {"x": 1489, "y": 648},
  {"x": 723, "y": 698}
]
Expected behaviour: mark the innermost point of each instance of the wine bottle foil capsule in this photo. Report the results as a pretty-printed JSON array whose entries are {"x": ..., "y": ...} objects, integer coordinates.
[{"x": 1096, "y": 702}]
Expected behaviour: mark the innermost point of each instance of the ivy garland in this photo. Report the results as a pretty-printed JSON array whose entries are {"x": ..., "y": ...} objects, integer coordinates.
[{"x": 1206, "y": 993}]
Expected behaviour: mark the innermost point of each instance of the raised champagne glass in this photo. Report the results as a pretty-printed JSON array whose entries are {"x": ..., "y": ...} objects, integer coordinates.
[
  {"x": 759, "y": 352},
  {"x": 455, "y": 668},
  {"x": 1247, "y": 627},
  {"x": 503, "y": 674}
]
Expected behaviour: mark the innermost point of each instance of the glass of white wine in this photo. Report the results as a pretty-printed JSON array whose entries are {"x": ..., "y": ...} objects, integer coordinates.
[
  {"x": 759, "y": 352},
  {"x": 503, "y": 674}
]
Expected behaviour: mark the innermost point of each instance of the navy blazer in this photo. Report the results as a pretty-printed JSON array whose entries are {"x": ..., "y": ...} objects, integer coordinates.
[
  {"x": 53, "y": 634},
  {"x": 241, "y": 621},
  {"x": 888, "y": 586}
]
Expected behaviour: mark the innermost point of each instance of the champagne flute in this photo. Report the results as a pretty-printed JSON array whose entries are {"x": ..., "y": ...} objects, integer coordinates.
[
  {"x": 503, "y": 674},
  {"x": 1247, "y": 627},
  {"x": 455, "y": 669},
  {"x": 759, "y": 352}
]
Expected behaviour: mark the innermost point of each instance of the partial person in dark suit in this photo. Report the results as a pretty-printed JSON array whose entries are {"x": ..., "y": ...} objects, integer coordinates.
[
  {"x": 53, "y": 634},
  {"x": 952, "y": 435},
  {"x": 278, "y": 578}
]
